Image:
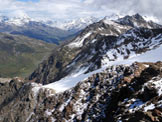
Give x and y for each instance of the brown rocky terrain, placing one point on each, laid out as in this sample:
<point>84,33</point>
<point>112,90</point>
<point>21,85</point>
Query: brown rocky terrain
<point>119,93</point>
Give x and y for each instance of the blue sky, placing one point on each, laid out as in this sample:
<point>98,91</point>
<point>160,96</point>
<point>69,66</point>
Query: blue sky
<point>28,0</point>
<point>69,9</point>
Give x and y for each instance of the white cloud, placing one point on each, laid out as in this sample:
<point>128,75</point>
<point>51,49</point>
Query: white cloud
<point>144,7</point>
<point>65,9</point>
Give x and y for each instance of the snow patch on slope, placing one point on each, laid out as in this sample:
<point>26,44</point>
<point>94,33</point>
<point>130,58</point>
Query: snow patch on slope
<point>149,56</point>
<point>149,107</point>
<point>70,81</point>
<point>151,18</point>
<point>127,50</point>
<point>157,84</point>
<point>79,41</point>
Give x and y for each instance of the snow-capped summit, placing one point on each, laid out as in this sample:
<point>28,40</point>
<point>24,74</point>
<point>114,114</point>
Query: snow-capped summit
<point>113,17</point>
<point>137,20</point>
<point>73,25</point>
<point>3,18</point>
<point>19,21</point>
<point>78,24</point>
<point>26,26</point>
<point>151,18</point>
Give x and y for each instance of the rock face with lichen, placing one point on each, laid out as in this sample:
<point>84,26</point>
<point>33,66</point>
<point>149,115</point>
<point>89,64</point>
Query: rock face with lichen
<point>126,93</point>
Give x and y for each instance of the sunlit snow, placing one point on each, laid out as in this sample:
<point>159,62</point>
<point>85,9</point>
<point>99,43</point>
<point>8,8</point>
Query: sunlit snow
<point>70,81</point>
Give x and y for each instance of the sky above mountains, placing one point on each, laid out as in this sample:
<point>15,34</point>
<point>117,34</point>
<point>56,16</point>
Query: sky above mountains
<point>69,9</point>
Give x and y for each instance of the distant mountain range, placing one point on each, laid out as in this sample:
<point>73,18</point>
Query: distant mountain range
<point>34,29</point>
<point>74,25</point>
<point>51,31</point>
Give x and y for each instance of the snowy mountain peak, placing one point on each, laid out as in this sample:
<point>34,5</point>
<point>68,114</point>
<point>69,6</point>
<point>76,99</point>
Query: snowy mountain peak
<point>151,18</point>
<point>138,16</point>
<point>113,17</point>
<point>3,18</point>
<point>137,21</point>
<point>85,19</point>
<point>19,20</point>
<point>75,24</point>
<point>109,27</point>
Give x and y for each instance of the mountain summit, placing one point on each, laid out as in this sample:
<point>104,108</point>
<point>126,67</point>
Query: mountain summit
<point>75,25</point>
<point>137,21</point>
<point>98,44</point>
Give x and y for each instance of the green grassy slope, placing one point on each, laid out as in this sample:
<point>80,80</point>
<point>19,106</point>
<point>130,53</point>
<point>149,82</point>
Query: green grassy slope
<point>20,55</point>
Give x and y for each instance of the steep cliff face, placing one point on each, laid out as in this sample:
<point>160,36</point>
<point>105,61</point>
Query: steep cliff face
<point>126,93</point>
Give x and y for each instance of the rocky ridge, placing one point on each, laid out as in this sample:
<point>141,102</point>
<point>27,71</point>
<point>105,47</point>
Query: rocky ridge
<point>97,45</point>
<point>117,93</point>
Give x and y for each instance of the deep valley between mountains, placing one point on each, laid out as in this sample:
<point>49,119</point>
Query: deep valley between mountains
<point>108,71</point>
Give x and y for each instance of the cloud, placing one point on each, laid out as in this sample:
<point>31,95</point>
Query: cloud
<point>144,7</point>
<point>67,9</point>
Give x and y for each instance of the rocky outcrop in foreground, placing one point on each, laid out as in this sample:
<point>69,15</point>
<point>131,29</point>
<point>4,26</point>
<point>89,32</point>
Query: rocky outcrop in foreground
<point>119,93</point>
